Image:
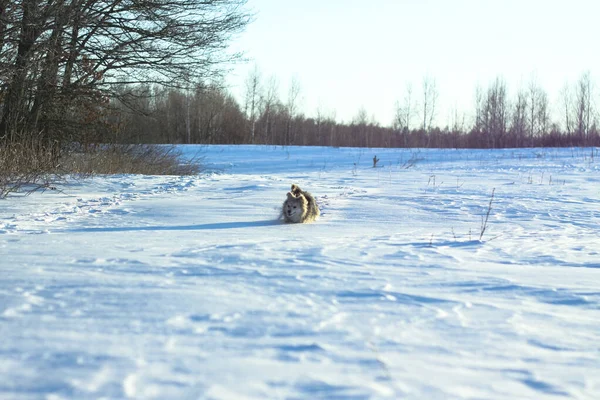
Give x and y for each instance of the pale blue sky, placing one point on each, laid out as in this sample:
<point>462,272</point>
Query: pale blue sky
<point>356,53</point>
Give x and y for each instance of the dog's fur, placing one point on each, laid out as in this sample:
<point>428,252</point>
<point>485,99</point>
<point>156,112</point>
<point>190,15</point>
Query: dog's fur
<point>299,206</point>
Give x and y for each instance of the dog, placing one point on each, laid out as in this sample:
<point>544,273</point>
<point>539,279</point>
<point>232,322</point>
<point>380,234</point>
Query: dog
<point>299,206</point>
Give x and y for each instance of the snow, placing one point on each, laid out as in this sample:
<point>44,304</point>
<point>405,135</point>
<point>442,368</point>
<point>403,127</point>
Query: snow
<point>190,288</point>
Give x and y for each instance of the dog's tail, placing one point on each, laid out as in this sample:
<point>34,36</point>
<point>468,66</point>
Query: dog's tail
<point>296,191</point>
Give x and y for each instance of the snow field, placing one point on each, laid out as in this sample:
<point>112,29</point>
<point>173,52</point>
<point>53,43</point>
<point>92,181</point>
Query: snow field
<point>189,287</point>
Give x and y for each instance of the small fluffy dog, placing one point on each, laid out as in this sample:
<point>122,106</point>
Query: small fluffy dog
<point>300,206</point>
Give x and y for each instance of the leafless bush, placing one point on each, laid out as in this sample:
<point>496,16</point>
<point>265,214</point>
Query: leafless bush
<point>414,158</point>
<point>28,167</point>
<point>487,216</point>
<point>130,159</point>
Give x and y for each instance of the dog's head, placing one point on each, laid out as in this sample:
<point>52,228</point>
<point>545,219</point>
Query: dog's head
<point>294,206</point>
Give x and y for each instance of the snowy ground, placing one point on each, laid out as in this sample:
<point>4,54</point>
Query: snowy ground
<point>189,287</point>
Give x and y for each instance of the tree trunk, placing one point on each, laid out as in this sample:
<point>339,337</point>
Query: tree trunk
<point>72,49</point>
<point>13,114</point>
<point>47,85</point>
<point>3,19</point>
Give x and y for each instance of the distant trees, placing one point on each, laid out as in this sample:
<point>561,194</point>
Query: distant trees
<point>518,126</point>
<point>492,112</point>
<point>292,110</point>
<point>270,106</point>
<point>537,110</point>
<point>149,71</point>
<point>214,116</point>
<point>430,97</point>
<point>207,114</point>
<point>584,111</point>
<point>404,113</point>
<point>567,109</point>
<point>252,100</point>
<point>526,121</point>
<point>579,113</point>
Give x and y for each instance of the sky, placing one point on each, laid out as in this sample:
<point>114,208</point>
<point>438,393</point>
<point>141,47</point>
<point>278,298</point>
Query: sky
<point>353,54</point>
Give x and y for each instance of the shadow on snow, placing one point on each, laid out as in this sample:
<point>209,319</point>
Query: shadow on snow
<point>198,227</point>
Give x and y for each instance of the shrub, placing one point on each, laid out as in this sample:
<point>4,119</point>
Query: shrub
<point>31,166</point>
<point>28,166</point>
<point>129,159</point>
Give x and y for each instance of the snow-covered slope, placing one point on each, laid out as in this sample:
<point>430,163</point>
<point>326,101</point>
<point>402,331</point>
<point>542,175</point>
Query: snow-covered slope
<point>190,288</point>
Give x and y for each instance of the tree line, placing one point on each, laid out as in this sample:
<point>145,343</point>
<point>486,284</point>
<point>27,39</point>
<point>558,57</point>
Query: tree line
<point>62,62</point>
<point>150,71</point>
<point>209,114</point>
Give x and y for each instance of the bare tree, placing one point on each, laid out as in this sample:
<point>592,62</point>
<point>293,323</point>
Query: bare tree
<point>519,118</point>
<point>252,99</point>
<point>430,96</point>
<point>361,117</point>
<point>496,110</point>
<point>479,109</point>
<point>492,112</point>
<point>66,57</point>
<point>268,103</point>
<point>405,111</point>
<point>319,122</point>
<point>584,107</point>
<point>403,114</point>
<point>4,17</point>
<point>292,108</point>
<point>33,21</point>
<point>537,109</point>
<point>457,120</point>
<point>567,109</point>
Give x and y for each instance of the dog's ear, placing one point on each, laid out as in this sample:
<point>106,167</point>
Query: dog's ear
<point>290,195</point>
